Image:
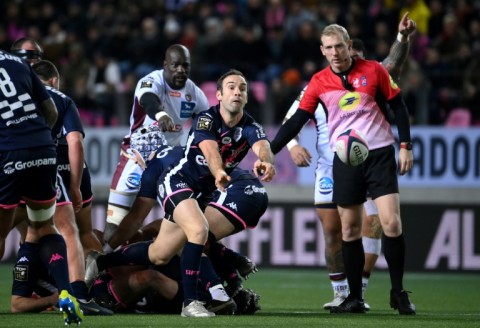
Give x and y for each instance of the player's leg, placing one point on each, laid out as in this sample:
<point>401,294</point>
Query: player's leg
<point>329,218</point>
<point>371,238</point>
<point>349,193</point>
<point>124,188</point>
<point>88,238</point>
<point>84,217</point>
<point>384,191</point>
<point>332,234</point>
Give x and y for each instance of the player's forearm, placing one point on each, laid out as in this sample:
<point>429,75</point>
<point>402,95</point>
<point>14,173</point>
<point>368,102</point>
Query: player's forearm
<point>396,58</point>
<point>20,304</point>
<point>151,103</point>
<point>289,130</point>
<point>210,151</point>
<point>264,153</point>
<point>76,159</point>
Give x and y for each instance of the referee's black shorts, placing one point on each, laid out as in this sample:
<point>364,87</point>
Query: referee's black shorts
<point>378,175</point>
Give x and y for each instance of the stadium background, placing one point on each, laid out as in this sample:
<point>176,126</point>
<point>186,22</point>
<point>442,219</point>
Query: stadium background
<point>103,47</point>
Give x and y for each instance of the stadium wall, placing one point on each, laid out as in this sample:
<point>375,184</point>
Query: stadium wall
<point>440,203</point>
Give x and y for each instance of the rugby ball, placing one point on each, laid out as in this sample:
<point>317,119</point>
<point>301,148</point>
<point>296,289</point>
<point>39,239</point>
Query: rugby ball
<point>351,147</point>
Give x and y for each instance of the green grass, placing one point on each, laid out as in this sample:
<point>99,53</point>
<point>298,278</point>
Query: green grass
<point>294,298</point>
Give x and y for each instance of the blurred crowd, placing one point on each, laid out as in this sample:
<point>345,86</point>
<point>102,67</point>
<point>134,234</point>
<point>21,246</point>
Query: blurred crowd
<point>102,48</point>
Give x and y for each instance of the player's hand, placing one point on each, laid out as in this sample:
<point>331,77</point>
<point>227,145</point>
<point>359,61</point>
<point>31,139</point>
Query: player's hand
<point>264,169</point>
<point>76,198</point>
<point>221,180</point>
<point>165,123</point>
<point>405,161</point>
<point>406,25</point>
<point>300,156</point>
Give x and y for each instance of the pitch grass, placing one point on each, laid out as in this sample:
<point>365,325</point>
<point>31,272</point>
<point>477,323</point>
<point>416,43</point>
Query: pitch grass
<point>294,298</point>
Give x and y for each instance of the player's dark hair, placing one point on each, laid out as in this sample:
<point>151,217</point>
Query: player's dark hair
<point>224,76</point>
<point>45,70</point>
<point>358,45</point>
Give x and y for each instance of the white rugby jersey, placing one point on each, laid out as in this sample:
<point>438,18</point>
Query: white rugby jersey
<point>325,153</point>
<point>181,105</point>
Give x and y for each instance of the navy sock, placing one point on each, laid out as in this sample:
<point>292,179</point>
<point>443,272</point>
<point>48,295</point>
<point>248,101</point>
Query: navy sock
<point>354,260</point>
<point>80,290</point>
<point>190,266</point>
<point>222,260</point>
<point>133,254</point>
<point>394,249</point>
<point>207,276</point>
<point>222,252</point>
<point>53,254</point>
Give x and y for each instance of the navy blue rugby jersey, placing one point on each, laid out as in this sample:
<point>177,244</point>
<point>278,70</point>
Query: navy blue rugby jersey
<point>164,157</point>
<point>22,124</point>
<point>233,144</point>
<point>68,117</point>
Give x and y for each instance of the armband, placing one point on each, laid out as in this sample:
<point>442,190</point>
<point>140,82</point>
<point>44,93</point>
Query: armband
<point>159,115</point>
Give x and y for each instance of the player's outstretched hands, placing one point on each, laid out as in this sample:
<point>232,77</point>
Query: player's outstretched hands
<point>406,25</point>
<point>264,169</point>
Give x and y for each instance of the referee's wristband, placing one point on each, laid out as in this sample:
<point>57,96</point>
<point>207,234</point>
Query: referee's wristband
<point>159,115</point>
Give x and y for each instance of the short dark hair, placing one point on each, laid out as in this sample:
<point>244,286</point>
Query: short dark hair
<point>224,76</point>
<point>358,45</point>
<point>45,70</point>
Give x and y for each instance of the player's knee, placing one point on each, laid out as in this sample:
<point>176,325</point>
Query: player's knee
<point>392,226</point>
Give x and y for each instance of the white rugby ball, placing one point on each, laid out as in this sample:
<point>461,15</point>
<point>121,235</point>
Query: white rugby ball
<point>352,147</point>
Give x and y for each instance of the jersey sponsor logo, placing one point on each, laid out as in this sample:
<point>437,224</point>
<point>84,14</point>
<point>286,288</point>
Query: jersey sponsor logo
<point>133,181</point>
<point>23,259</point>
<point>226,140</point>
<point>63,167</point>
<point>186,109</point>
<point>251,189</point>
<point>204,123</point>
<point>233,206</point>
<point>21,119</point>
<point>349,101</point>
<point>21,273</point>
<point>237,134</point>
<point>10,167</point>
<point>200,160</point>
<point>161,191</point>
<point>4,56</point>
<point>181,185</point>
<point>146,84</point>
<point>174,93</point>
<point>326,185</point>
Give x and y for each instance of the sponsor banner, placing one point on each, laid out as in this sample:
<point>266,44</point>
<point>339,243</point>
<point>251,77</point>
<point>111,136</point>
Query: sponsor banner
<point>438,238</point>
<point>444,157</point>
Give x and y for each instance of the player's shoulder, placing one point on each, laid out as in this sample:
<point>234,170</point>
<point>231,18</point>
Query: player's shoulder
<point>55,93</point>
<point>148,80</point>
